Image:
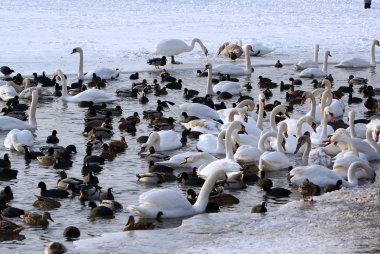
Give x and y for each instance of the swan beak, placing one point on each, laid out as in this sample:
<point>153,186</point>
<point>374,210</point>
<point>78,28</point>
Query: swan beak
<point>374,178</point>
<point>287,114</point>
<point>297,148</point>
<point>314,126</point>
<point>263,101</point>
<point>184,161</point>
<point>141,151</point>
<point>283,145</point>
<point>286,134</point>
<point>303,101</point>
<point>327,141</point>
<point>74,51</point>
<point>376,136</point>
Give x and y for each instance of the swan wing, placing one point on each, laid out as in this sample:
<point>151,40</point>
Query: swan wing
<point>354,62</point>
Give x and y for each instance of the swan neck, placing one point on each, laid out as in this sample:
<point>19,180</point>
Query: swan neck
<point>248,64</point>
<point>371,141</point>
<point>325,63</point>
<point>32,115</point>
<point>80,71</point>
<point>228,140</point>
<point>220,140</point>
<point>313,105</point>
<point>260,117</point>
<point>356,166</point>
<point>204,194</point>
<point>280,138</point>
<point>372,60</point>
<point>316,53</point>
<point>272,121</point>
<point>352,124</point>
<point>299,126</point>
<point>209,81</point>
<point>306,153</point>
<point>200,44</point>
<point>263,138</point>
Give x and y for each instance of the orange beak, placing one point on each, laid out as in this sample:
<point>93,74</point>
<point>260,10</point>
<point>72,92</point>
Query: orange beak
<point>263,101</point>
<point>303,101</point>
<point>332,117</point>
<point>287,114</point>
<point>376,136</point>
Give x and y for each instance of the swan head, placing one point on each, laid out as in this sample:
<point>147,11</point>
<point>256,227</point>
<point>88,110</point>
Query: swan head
<point>77,50</point>
<point>301,141</point>
<point>376,42</point>
<point>328,111</point>
<point>208,67</point>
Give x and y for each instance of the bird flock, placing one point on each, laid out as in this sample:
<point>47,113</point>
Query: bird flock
<point>236,146</point>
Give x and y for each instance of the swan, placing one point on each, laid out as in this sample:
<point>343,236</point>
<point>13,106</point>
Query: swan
<point>173,47</point>
<point>323,130</point>
<point>195,109</point>
<point>338,107</point>
<point>16,140</point>
<point>297,127</point>
<point>103,73</point>
<point>9,123</point>
<point>344,159</point>
<point>162,141</point>
<point>304,64</point>
<point>274,161</point>
<point>357,130</point>
<point>249,153</point>
<point>183,160</point>
<point>205,126</point>
<point>316,72</point>
<point>247,105</point>
<point>369,147</point>
<point>357,62</point>
<point>28,90</point>
<point>272,119</point>
<point>7,92</point>
<point>95,95</point>
<point>312,156</point>
<point>167,203</point>
<point>232,87</point>
<point>234,69</point>
<point>215,145</point>
<point>228,163</point>
<point>323,176</point>
<point>259,48</point>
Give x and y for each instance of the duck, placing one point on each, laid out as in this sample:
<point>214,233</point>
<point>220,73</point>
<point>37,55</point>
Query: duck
<point>173,204</point>
<point>108,195</point>
<point>370,103</point>
<point>278,64</point>
<point>89,192</point>
<point>7,173</point>
<point>304,64</point>
<point>316,72</point>
<point>71,232</point>
<point>159,168</point>
<point>55,248</point>
<point>64,182</point>
<point>52,139</point>
<point>191,179</point>
<point>47,203</point>
<point>52,193</point>
<point>173,47</point>
<point>6,194</point>
<point>260,208</point>
<point>9,123</point>
<point>307,189</point>
<point>155,156</point>
<point>9,211</point>
<point>118,145</point>
<point>157,62</point>
<point>47,160</point>
<point>9,228</point>
<point>90,179</point>
<point>5,162</point>
<point>357,80</point>
<point>103,73</point>
<point>127,92</point>
<point>95,95</point>
<point>353,100</point>
<point>333,187</point>
<point>357,62</point>
<point>233,69</point>
<point>6,71</point>
<point>176,85</point>
<point>36,219</point>
<point>100,211</point>
<point>132,225</point>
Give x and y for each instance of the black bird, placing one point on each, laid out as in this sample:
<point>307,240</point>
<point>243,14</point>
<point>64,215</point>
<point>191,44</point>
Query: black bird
<point>9,211</point>
<point>52,193</point>
<point>157,62</point>
<point>5,163</point>
<point>259,208</point>
<point>354,99</point>
<point>278,64</point>
<point>175,85</point>
<point>52,139</point>
<point>6,70</point>
<point>134,76</point>
<point>6,194</point>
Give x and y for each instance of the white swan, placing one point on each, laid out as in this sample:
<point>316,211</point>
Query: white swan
<point>304,64</point>
<point>184,160</point>
<point>233,88</point>
<point>104,73</point>
<point>323,130</point>
<point>344,159</point>
<point>211,144</point>
<point>357,62</point>
<point>205,126</point>
<point>16,138</point>
<point>310,156</point>
<point>173,47</point>
<point>228,163</point>
<point>249,153</point>
<point>95,95</point>
<point>369,147</point>
<point>338,107</point>
<point>162,141</point>
<point>7,92</point>
<point>234,69</point>
<point>195,109</point>
<point>167,203</point>
<point>43,92</point>
<point>9,123</point>
<point>274,161</point>
<point>259,49</point>
<point>356,130</point>
<point>247,105</point>
<point>272,118</point>
<point>316,72</point>
<point>322,176</point>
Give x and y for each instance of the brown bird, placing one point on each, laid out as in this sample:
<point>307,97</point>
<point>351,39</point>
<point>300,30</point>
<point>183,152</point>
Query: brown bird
<point>157,62</point>
<point>132,225</point>
<point>308,189</point>
<point>36,219</point>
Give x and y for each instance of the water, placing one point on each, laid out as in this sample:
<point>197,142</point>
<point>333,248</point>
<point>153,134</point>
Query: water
<point>120,173</point>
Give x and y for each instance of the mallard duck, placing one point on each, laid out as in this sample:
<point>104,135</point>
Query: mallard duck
<point>71,232</point>
<point>116,111</point>
<point>89,192</point>
<point>9,228</point>
<point>132,225</point>
<point>156,113</point>
<point>45,202</point>
<point>155,156</point>
<point>100,211</point>
<point>6,194</point>
<point>143,99</point>
<point>160,91</point>
<point>52,193</point>
<point>9,211</point>
<point>47,160</point>
<point>111,204</point>
<point>260,208</point>
<point>135,117</point>
<point>90,179</point>
<point>52,139</point>
<point>155,177</point>
<point>64,182</point>
<point>118,145</point>
<point>89,158</point>
<point>55,247</point>
<point>223,95</point>
<point>307,189</point>
<point>107,153</point>
<point>158,168</point>
<point>36,219</point>
<point>157,62</point>
<point>126,126</point>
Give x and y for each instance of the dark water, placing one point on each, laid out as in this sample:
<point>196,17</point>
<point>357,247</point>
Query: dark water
<point>67,119</point>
